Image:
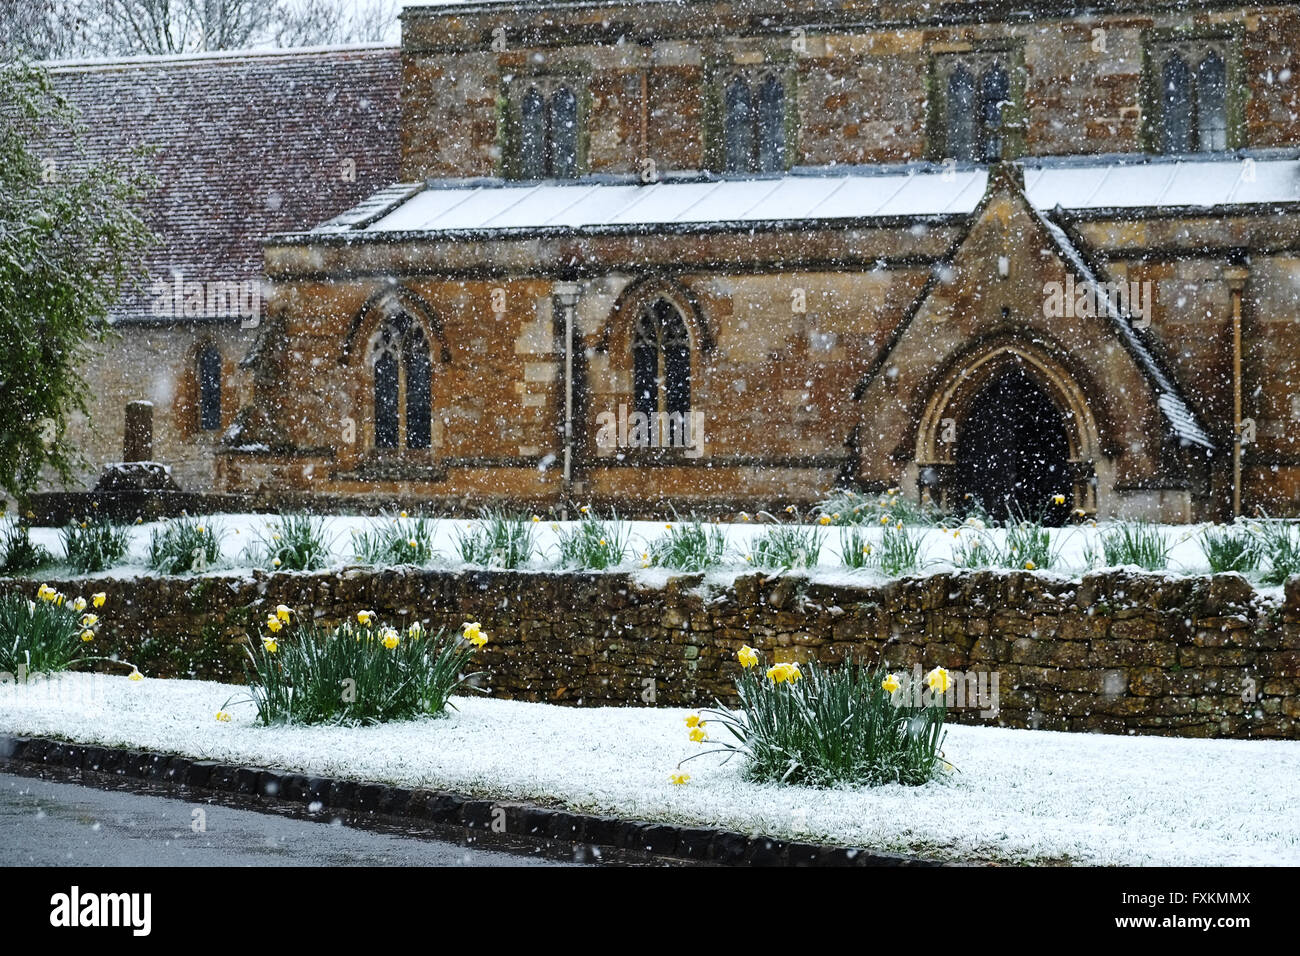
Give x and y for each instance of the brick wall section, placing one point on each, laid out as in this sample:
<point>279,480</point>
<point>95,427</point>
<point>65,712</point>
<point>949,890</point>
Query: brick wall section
<point>1114,652</point>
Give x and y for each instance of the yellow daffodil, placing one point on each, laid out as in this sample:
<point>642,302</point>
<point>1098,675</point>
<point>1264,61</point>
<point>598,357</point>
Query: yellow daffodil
<point>402,513</point>
<point>98,598</point>
<point>79,604</point>
<point>135,675</point>
<point>201,529</point>
<point>939,680</point>
<point>786,673</point>
<point>415,630</point>
<point>365,618</point>
<point>789,509</point>
<point>388,637</point>
<point>884,519</point>
<point>1030,566</point>
<point>679,778</point>
<point>89,620</point>
<point>698,735</point>
<point>747,656</point>
<point>743,516</point>
<point>412,543</point>
<point>223,717</point>
<point>668,527</point>
<point>273,624</point>
<point>890,684</point>
<point>270,645</point>
<point>46,593</point>
<point>1058,499</point>
<point>282,611</point>
<point>602,542</point>
<point>275,563</point>
<point>473,633</point>
<point>584,509</point>
<point>87,635</point>
<point>536,519</point>
<point>693,720</point>
<point>824,520</point>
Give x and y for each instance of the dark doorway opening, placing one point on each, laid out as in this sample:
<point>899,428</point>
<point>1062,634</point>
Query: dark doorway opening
<point>1013,456</point>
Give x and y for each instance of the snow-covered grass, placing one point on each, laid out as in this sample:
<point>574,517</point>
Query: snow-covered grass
<point>1019,795</point>
<point>1076,547</point>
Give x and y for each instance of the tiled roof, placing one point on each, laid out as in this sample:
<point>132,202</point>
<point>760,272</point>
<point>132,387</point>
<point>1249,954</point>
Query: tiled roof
<point>247,145</point>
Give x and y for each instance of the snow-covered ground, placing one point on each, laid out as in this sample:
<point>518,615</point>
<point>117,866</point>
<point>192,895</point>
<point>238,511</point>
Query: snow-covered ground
<point>1019,795</point>
<point>1072,544</point>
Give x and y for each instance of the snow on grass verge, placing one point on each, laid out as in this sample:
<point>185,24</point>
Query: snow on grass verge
<point>1020,796</point>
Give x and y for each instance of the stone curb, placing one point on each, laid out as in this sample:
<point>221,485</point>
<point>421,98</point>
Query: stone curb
<point>378,800</point>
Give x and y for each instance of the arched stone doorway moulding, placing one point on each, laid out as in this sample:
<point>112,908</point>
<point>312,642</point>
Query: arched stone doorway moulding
<point>950,402</point>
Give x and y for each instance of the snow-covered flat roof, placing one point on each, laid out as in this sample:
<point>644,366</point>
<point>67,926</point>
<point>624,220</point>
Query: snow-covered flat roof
<point>583,206</point>
<point>805,196</point>
<point>1190,183</point>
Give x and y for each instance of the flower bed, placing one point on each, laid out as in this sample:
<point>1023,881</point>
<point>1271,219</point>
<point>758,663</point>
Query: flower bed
<point>1018,796</point>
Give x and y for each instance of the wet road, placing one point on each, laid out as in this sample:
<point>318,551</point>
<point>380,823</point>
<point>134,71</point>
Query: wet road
<point>46,823</point>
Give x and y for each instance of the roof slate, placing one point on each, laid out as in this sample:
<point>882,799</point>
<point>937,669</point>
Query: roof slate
<point>246,146</point>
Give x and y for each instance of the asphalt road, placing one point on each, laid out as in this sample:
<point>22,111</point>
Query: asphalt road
<point>46,823</point>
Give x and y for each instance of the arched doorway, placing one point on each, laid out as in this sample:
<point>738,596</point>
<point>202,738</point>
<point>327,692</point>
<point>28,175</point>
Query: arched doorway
<point>1013,452</point>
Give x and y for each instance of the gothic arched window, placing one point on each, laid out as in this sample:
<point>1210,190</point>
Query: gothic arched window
<point>564,134</point>
<point>209,379</point>
<point>1211,104</point>
<point>661,368</point>
<point>1177,124</point>
<point>995,91</point>
<point>532,135</point>
<point>771,125</point>
<point>403,384</point>
<point>738,127</point>
<point>960,140</point>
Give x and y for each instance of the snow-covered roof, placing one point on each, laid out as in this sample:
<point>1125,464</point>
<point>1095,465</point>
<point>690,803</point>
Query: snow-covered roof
<point>610,205</point>
<point>803,196</point>
<point>1182,420</point>
<point>1180,183</point>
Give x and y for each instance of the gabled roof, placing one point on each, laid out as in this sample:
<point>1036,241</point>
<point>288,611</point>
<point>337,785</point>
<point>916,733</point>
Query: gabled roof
<point>805,197</point>
<point>247,144</point>
<point>1173,407</point>
<point>1182,420</point>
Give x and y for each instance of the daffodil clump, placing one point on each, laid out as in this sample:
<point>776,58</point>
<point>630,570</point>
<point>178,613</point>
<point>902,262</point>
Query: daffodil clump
<point>362,671</point>
<point>846,508</point>
<point>185,545</point>
<point>94,543</point>
<point>788,546</point>
<point>499,539</point>
<point>19,554</point>
<point>48,634</point>
<point>292,542</point>
<point>593,543</point>
<point>800,723</point>
<point>686,546</point>
<point>394,541</point>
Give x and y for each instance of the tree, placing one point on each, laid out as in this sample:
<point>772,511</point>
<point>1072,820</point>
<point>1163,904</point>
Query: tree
<point>71,242</point>
<point>45,29</point>
<point>41,29</point>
